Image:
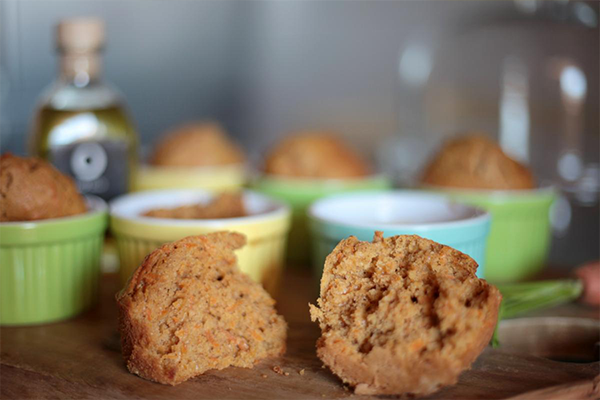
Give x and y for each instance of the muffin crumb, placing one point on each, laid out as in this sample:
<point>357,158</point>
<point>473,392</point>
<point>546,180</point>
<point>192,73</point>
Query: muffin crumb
<point>277,369</point>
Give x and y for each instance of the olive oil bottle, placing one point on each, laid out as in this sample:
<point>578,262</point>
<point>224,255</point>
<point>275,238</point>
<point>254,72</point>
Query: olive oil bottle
<point>81,124</point>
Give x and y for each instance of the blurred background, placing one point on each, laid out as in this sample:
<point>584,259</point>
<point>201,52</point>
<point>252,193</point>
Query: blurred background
<point>394,78</point>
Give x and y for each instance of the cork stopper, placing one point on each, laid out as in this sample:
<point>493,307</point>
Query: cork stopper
<point>80,35</point>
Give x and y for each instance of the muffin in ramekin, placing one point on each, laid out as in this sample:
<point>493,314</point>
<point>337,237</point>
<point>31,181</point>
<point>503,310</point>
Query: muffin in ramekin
<point>197,155</point>
<point>51,242</point>
<point>474,169</point>
<point>50,269</point>
<point>265,225</point>
<point>307,166</point>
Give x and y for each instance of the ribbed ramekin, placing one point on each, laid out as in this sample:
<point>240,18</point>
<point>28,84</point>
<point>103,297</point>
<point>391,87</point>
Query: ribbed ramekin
<point>401,212</point>
<point>299,193</point>
<point>265,227</point>
<point>217,178</point>
<point>520,232</point>
<point>50,269</point>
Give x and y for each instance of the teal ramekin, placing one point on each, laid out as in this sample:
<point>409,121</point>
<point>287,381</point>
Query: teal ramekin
<point>50,269</point>
<point>300,193</point>
<point>401,212</point>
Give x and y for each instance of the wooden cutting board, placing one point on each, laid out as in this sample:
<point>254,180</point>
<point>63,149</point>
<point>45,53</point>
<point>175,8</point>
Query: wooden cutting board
<point>80,358</point>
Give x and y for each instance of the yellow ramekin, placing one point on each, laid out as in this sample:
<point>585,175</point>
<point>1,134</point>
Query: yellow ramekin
<point>265,227</point>
<point>214,178</point>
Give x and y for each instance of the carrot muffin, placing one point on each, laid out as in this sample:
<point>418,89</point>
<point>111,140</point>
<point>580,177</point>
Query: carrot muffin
<point>188,309</point>
<point>402,314</point>
<point>315,155</point>
<point>225,205</point>
<point>197,144</point>
<point>476,162</point>
<point>32,189</point>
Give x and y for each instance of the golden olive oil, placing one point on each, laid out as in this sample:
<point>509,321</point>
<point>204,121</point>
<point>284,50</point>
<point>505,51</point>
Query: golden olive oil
<point>81,124</point>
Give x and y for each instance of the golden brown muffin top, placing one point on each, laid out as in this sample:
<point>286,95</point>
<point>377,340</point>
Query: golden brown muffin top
<point>225,205</point>
<point>32,189</point>
<point>402,314</point>
<point>476,162</point>
<point>188,309</point>
<point>315,155</point>
<point>197,144</point>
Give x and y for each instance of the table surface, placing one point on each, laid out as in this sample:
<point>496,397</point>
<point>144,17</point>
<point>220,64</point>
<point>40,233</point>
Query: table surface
<point>80,358</point>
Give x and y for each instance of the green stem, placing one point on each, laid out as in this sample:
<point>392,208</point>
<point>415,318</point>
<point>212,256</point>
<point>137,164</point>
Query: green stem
<point>521,298</point>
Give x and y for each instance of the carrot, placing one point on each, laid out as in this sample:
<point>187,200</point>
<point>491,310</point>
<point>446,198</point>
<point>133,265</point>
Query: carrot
<point>417,344</point>
<point>234,306</point>
<point>211,339</point>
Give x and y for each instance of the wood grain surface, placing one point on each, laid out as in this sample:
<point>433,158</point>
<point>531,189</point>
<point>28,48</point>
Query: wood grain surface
<point>80,358</point>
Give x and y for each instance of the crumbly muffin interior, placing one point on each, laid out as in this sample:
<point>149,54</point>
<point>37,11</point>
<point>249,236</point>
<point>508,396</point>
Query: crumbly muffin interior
<point>190,310</point>
<point>414,298</point>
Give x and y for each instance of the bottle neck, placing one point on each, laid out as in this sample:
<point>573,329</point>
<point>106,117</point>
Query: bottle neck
<point>80,69</point>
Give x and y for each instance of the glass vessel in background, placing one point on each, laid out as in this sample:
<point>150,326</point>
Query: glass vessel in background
<point>81,124</point>
<point>529,79</point>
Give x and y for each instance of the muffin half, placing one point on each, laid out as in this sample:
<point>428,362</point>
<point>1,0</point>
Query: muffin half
<point>188,309</point>
<point>402,314</point>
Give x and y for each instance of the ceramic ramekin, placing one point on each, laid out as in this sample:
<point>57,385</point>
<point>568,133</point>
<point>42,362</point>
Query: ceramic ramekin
<point>520,232</point>
<point>50,269</point>
<point>214,178</point>
<point>265,227</point>
<point>401,212</point>
<point>300,193</point>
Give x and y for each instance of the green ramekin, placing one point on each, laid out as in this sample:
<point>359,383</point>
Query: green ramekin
<point>50,269</point>
<point>399,212</point>
<point>299,193</point>
<point>520,232</point>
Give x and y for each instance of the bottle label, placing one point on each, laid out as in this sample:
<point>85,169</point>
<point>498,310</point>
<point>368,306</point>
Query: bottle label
<point>100,168</point>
